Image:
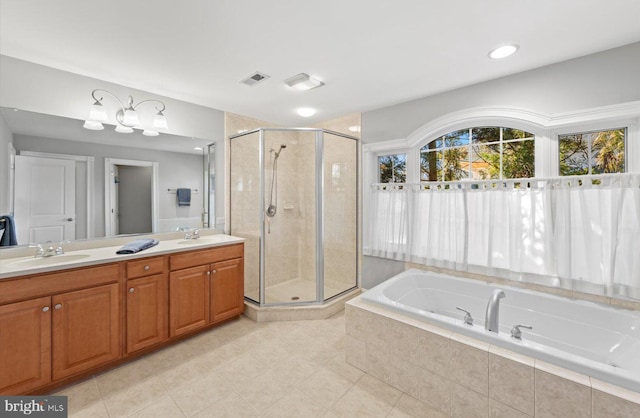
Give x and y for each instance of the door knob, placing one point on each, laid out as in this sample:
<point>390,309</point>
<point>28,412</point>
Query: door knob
<point>58,306</point>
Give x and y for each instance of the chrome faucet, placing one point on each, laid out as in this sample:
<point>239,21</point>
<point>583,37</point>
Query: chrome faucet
<point>468,319</point>
<point>48,250</point>
<point>491,319</point>
<point>517,333</point>
<point>190,233</point>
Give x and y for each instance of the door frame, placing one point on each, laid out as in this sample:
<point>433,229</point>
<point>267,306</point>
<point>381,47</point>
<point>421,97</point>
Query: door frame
<point>89,178</point>
<point>109,191</point>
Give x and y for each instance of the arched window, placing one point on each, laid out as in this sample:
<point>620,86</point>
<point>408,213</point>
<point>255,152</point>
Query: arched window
<point>479,153</point>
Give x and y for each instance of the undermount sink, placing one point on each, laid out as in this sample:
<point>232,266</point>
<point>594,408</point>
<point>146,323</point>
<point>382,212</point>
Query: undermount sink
<point>202,240</point>
<point>47,261</point>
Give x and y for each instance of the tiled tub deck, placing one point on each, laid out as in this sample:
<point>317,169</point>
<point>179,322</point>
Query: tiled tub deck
<point>464,377</point>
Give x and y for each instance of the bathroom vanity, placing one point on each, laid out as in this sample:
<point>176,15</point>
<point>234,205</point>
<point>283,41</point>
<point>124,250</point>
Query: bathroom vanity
<point>64,320</point>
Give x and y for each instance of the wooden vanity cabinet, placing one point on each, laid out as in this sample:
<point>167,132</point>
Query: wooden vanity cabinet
<point>205,287</point>
<point>86,329</point>
<point>147,299</point>
<point>56,325</point>
<point>189,300</point>
<point>25,345</point>
<point>226,289</point>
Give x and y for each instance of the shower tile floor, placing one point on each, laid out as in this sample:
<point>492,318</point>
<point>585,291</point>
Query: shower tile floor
<point>285,292</point>
<point>245,369</point>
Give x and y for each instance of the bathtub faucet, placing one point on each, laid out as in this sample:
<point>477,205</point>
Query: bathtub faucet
<point>491,321</point>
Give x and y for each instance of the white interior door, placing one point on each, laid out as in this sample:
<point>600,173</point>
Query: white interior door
<point>45,199</point>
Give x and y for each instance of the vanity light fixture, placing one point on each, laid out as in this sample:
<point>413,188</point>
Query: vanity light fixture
<point>127,117</point>
<point>303,81</point>
<point>503,51</point>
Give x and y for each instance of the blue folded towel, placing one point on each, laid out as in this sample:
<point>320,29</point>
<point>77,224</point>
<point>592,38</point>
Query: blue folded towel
<point>137,246</point>
<point>184,197</point>
<point>9,234</point>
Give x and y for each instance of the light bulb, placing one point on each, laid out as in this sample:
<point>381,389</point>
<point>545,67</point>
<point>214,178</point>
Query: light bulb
<point>503,51</point>
<point>160,121</point>
<point>130,117</point>
<point>97,112</point>
<point>306,112</point>
<point>148,132</point>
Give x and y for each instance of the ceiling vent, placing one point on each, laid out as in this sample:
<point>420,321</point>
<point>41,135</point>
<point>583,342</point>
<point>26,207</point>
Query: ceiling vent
<point>254,78</point>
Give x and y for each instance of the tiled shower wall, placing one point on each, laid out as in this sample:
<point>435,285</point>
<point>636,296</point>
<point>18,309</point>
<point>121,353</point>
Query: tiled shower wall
<point>291,244</point>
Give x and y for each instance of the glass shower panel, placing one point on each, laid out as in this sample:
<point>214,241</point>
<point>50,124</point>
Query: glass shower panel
<point>289,216</point>
<point>340,214</point>
<point>245,208</point>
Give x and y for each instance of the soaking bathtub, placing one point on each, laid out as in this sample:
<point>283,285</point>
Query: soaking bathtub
<point>586,337</point>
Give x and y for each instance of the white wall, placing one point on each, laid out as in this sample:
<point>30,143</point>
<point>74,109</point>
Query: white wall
<point>603,79</point>
<point>175,170</point>
<point>41,89</point>
<point>606,78</point>
<point>6,137</point>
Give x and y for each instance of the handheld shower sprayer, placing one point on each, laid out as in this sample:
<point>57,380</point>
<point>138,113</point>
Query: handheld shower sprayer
<point>273,195</point>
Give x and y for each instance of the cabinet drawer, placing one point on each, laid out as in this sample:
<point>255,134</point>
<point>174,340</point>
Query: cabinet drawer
<point>52,283</point>
<point>145,267</point>
<point>208,256</point>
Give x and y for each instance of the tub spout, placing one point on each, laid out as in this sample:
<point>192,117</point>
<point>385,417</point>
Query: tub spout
<point>491,319</point>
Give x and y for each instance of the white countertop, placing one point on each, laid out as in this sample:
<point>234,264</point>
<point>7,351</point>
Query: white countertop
<point>20,266</point>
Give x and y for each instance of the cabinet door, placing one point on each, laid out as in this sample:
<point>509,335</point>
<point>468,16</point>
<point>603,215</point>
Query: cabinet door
<point>188,300</point>
<point>86,329</point>
<point>147,311</point>
<point>25,346</point>
<point>227,289</point>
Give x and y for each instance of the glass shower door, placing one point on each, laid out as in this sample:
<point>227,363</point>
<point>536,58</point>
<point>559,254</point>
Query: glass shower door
<point>289,216</point>
<point>245,207</point>
<point>340,217</point>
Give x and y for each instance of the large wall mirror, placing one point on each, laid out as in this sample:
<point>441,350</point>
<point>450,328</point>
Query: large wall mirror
<point>103,183</point>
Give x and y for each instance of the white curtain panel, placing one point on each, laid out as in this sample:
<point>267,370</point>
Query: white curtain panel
<point>580,232</point>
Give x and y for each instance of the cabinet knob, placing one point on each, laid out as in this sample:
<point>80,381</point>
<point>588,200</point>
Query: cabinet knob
<point>208,273</point>
<point>45,309</point>
<point>58,306</point>
<point>213,271</point>
<point>146,268</point>
<point>131,290</point>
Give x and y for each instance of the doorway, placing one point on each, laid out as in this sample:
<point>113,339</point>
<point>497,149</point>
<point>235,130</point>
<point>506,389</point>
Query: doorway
<point>130,196</point>
<point>45,199</point>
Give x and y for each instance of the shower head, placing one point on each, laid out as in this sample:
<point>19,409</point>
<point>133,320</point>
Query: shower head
<point>282,146</point>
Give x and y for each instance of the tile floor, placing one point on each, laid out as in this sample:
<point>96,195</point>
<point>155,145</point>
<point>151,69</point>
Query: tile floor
<point>245,369</point>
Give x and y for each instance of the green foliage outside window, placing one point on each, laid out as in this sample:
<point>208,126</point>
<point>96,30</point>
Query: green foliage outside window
<point>479,153</point>
<point>393,168</point>
<point>592,152</point>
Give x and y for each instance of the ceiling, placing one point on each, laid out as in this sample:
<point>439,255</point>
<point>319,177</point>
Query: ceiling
<point>370,53</point>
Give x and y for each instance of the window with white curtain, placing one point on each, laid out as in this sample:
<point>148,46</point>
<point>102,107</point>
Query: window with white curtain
<point>477,206</point>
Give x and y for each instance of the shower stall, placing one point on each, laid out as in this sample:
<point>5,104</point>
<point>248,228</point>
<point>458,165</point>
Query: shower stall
<point>293,197</point>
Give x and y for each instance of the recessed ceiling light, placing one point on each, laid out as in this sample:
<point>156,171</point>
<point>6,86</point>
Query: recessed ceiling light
<point>354,128</point>
<point>197,148</point>
<point>303,81</point>
<point>306,112</point>
<point>503,51</point>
